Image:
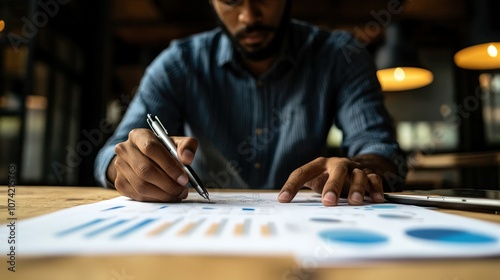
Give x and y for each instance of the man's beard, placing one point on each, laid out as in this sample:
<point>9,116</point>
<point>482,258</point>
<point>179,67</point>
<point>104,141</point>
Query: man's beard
<point>274,45</point>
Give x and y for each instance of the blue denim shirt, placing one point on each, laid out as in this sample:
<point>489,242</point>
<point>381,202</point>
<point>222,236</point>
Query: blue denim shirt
<point>254,131</point>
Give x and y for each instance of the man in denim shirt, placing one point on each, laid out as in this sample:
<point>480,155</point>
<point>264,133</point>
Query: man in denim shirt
<point>255,99</point>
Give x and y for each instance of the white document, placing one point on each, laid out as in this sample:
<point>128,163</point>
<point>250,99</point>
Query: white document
<point>256,224</point>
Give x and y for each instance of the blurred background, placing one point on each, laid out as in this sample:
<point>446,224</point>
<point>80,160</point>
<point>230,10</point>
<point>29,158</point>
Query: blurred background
<point>69,68</point>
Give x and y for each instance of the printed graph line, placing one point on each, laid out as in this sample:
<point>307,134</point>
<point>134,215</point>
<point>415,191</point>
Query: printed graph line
<point>78,228</point>
<point>105,228</point>
<point>113,208</point>
<point>134,228</point>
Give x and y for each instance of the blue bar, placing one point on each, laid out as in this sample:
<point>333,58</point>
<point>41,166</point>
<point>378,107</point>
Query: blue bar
<point>133,228</point>
<point>80,227</point>
<point>248,209</point>
<point>105,228</point>
<point>113,208</point>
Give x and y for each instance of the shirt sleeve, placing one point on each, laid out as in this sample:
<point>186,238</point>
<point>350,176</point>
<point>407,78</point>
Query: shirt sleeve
<point>361,113</point>
<point>160,93</point>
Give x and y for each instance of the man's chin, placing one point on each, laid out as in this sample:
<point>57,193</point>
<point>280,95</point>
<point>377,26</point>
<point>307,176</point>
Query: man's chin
<point>256,52</point>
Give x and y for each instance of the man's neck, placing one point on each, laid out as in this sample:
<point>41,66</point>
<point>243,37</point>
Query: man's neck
<point>258,68</point>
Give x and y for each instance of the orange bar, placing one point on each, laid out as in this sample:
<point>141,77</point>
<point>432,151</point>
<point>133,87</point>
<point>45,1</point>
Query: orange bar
<point>160,229</point>
<point>187,229</point>
<point>266,231</point>
<point>239,229</point>
<point>212,230</point>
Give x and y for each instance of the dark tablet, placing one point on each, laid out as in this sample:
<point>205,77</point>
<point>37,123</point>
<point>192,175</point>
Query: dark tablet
<point>461,199</point>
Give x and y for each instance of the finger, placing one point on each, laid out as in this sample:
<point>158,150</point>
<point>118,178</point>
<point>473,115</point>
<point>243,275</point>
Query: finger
<point>124,187</point>
<point>152,148</point>
<point>299,177</point>
<point>376,187</point>
<point>186,148</point>
<point>146,170</point>
<point>318,182</point>
<point>333,187</point>
<point>129,184</point>
<point>359,183</point>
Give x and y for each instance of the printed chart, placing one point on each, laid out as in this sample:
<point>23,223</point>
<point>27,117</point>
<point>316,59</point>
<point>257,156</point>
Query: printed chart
<point>255,223</point>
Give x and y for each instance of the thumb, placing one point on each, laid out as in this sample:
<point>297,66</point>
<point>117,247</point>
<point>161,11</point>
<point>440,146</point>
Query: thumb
<point>186,148</point>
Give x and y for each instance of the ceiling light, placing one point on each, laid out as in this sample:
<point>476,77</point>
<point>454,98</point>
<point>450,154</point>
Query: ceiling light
<point>483,41</point>
<point>398,63</point>
<point>404,78</point>
<point>479,57</point>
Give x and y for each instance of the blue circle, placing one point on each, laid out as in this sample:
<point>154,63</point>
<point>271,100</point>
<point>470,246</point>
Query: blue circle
<point>451,236</point>
<point>352,236</point>
<point>325,220</point>
<point>395,216</point>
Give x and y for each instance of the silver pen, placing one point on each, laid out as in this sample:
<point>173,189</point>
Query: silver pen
<point>160,132</point>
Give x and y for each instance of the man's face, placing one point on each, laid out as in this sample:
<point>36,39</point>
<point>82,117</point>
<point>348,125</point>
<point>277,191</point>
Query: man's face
<point>252,24</point>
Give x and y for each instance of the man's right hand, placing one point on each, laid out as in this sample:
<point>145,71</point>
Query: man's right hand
<point>144,170</point>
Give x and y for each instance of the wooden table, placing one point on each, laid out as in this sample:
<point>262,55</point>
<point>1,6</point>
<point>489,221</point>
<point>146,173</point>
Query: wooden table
<point>33,201</point>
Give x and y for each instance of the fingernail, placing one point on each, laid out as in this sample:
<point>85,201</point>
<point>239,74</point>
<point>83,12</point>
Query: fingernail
<point>284,196</point>
<point>331,198</point>
<point>357,197</point>
<point>182,180</point>
<point>378,197</point>
<point>184,193</point>
<point>187,155</point>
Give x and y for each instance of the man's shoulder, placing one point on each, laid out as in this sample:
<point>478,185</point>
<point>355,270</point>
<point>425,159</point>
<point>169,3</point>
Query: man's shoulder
<point>199,41</point>
<point>191,49</point>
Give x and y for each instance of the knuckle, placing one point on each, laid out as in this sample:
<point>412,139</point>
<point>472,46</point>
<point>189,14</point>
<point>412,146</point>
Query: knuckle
<point>149,146</point>
<point>359,173</point>
<point>132,134</point>
<point>119,184</point>
<point>141,188</point>
<point>321,160</point>
<point>340,168</point>
<point>120,148</point>
<point>375,178</point>
<point>345,162</point>
<point>144,171</point>
<point>299,171</point>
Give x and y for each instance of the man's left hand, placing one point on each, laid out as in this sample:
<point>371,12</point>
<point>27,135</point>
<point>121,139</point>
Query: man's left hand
<point>329,176</point>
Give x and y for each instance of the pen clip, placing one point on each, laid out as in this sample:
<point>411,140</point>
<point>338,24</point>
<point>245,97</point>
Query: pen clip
<point>150,122</point>
<point>158,120</point>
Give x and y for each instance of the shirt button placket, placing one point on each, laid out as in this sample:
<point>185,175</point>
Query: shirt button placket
<point>257,165</point>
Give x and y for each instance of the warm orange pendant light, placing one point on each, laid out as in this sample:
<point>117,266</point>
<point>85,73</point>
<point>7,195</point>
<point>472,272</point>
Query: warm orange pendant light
<point>397,61</point>
<point>483,46</point>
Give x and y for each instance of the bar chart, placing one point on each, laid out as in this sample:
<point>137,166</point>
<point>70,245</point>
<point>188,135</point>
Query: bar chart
<point>258,224</point>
